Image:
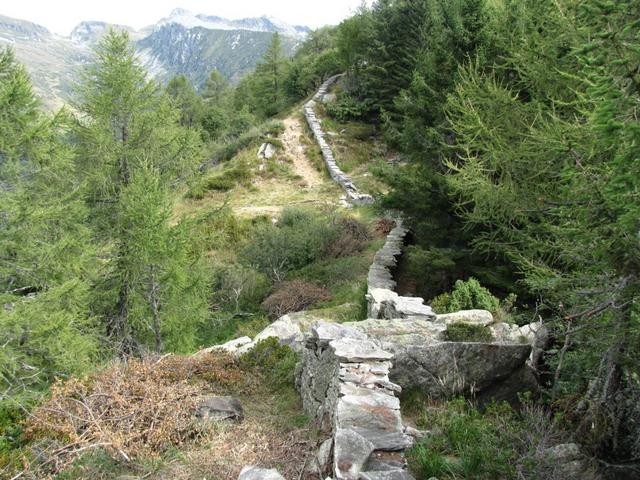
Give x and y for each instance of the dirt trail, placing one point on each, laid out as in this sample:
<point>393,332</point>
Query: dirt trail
<point>292,147</point>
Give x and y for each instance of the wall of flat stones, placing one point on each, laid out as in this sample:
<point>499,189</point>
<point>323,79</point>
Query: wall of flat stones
<point>382,300</point>
<point>353,195</point>
<point>343,380</point>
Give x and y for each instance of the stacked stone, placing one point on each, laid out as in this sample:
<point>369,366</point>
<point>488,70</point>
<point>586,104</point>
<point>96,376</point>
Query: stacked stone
<point>353,195</point>
<point>382,301</point>
<point>344,383</point>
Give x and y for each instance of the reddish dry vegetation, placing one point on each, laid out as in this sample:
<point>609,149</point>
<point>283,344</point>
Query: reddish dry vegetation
<point>139,409</point>
<point>384,226</point>
<point>293,296</point>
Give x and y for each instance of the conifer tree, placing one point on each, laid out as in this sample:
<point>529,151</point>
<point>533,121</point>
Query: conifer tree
<point>47,260</point>
<point>132,150</point>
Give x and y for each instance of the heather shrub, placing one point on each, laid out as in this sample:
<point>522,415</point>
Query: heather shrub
<point>464,332</point>
<point>352,237</point>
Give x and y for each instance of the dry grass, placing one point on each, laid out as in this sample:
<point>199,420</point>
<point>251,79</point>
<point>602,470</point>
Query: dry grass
<point>141,413</point>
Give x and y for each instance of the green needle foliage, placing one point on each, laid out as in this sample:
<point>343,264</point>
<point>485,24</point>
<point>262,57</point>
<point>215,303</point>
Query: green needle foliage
<point>134,143</point>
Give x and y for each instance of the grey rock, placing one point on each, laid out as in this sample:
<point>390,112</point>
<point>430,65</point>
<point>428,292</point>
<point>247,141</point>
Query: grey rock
<point>266,151</point>
<point>254,473</point>
<point>453,368</point>
<point>230,347</point>
<point>351,452</point>
<point>509,389</point>
<point>220,408</point>
<point>356,350</point>
<point>475,317</point>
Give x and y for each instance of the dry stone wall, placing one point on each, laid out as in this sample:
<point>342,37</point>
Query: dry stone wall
<point>382,300</point>
<point>353,195</point>
<point>343,379</point>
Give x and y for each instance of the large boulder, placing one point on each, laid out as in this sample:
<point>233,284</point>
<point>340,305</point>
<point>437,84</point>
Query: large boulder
<point>453,368</point>
<point>422,359</point>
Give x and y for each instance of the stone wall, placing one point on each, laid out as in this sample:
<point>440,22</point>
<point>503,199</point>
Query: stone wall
<point>353,195</point>
<point>343,380</point>
<point>382,300</point>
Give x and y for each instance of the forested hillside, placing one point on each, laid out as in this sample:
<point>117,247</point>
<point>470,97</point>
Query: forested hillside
<point>139,225</point>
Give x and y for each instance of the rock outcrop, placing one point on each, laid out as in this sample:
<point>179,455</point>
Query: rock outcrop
<point>343,379</point>
<point>423,359</point>
<point>353,195</point>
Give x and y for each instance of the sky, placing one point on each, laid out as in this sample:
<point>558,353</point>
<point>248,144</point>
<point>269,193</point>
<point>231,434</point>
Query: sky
<point>60,16</point>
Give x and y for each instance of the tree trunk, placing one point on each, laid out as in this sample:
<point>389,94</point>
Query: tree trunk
<point>154,302</point>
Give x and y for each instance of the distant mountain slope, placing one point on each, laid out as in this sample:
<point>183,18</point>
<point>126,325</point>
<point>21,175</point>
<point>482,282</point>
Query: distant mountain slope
<point>182,43</point>
<point>52,60</point>
<point>175,49</point>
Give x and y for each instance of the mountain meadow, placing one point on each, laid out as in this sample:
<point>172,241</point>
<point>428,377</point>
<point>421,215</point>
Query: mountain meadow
<point>403,247</point>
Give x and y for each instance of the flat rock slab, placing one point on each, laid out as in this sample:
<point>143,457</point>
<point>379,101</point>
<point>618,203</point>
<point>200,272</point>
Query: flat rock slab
<point>356,350</point>
<point>483,318</point>
<point>453,368</point>
<point>220,408</point>
<point>254,473</point>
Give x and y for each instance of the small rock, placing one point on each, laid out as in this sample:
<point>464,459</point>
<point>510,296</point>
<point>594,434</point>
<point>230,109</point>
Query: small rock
<point>351,451</point>
<point>220,408</point>
<point>266,151</point>
<point>254,473</point>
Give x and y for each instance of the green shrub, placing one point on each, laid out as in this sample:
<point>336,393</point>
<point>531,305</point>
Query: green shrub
<point>497,443</point>
<point>345,108</point>
<point>275,362</point>
<point>221,181</point>
<point>239,289</point>
<point>464,332</point>
<point>300,238</point>
<point>466,296</point>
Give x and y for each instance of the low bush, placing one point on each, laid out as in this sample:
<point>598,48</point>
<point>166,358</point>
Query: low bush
<point>276,363</point>
<point>135,409</point>
<point>497,443</point>
<point>239,289</point>
<point>345,108</point>
<point>464,332</point>
<point>293,296</point>
<point>466,296</point>
<point>352,237</point>
<point>300,238</point>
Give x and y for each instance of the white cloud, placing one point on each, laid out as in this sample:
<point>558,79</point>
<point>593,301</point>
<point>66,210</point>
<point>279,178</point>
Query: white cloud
<point>60,16</point>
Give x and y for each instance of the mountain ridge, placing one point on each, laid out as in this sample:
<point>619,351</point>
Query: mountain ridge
<point>182,43</point>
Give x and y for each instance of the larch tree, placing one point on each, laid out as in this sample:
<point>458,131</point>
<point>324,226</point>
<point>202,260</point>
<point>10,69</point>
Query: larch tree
<point>47,259</point>
<point>132,150</point>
